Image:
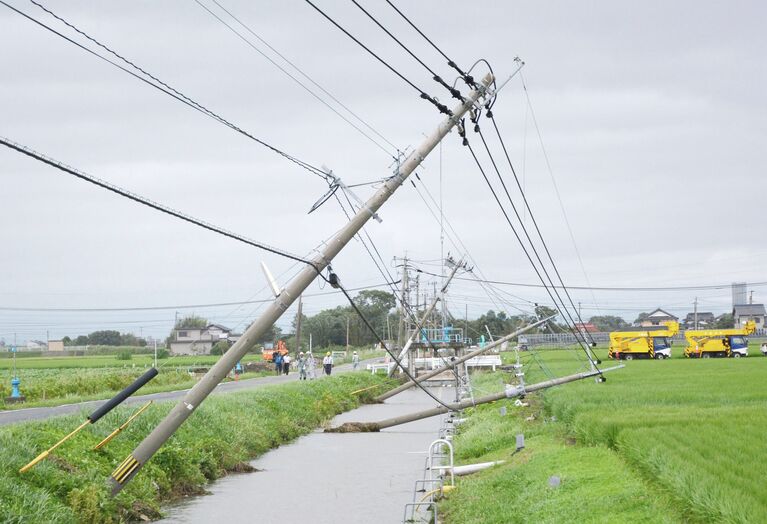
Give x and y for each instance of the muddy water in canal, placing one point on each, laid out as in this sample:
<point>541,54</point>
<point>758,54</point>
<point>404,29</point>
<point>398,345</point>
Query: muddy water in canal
<point>328,477</point>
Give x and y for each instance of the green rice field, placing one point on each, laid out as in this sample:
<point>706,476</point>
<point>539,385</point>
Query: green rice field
<point>677,440</point>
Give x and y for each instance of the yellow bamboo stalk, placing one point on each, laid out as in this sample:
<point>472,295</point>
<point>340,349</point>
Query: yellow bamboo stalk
<point>47,452</point>
<point>122,427</point>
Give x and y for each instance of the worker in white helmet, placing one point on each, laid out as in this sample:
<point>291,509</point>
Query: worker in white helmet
<point>355,361</point>
<point>301,365</point>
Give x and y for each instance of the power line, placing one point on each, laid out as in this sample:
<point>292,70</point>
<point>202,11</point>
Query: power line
<point>162,87</point>
<point>386,348</point>
<point>527,234</point>
<point>176,306</point>
<point>292,77</point>
<point>453,91</point>
<point>553,180</point>
<point>442,107</point>
<point>519,239</point>
<point>146,202</point>
<point>604,288</point>
<point>388,277</point>
<point>465,76</point>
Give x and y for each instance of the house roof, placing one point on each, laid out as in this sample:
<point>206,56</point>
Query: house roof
<point>219,326</point>
<point>659,313</point>
<point>748,309</point>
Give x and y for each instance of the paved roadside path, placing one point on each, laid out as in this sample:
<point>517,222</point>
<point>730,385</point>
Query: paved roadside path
<point>22,415</point>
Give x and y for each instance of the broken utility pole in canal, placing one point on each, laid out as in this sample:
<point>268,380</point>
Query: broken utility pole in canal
<point>509,392</point>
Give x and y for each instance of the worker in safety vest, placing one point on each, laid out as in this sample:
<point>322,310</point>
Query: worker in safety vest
<point>327,363</point>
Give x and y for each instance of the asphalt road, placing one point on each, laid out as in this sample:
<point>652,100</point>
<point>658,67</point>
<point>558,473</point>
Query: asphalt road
<point>27,414</point>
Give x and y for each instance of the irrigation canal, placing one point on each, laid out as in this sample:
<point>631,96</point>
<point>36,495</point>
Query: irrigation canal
<point>328,477</point>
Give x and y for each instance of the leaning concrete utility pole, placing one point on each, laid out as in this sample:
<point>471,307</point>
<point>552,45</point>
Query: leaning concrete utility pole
<point>419,324</point>
<point>509,392</point>
<point>453,363</point>
<point>178,415</point>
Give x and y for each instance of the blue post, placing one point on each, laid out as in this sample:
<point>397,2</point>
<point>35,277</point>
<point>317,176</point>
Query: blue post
<point>482,341</point>
<point>15,393</point>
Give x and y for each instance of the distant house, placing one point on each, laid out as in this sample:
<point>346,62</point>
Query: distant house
<point>36,345</point>
<point>586,327</point>
<point>199,341</point>
<point>657,317</point>
<point>744,312</point>
<point>55,345</point>
<point>706,320</point>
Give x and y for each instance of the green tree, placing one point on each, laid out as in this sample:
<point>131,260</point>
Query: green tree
<point>67,340</point>
<point>608,322</point>
<point>107,337</point>
<point>220,347</point>
<point>192,321</point>
<point>81,340</point>
<point>725,321</point>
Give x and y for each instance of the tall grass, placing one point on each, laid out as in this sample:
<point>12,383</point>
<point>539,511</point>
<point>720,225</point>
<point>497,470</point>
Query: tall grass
<point>225,431</point>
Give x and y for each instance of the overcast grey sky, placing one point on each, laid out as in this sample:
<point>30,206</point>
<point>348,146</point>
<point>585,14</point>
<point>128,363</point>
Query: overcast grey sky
<point>652,115</point>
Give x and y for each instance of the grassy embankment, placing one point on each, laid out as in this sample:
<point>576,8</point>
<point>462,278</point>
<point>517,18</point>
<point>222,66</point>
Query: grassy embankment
<point>671,441</point>
<point>224,433</point>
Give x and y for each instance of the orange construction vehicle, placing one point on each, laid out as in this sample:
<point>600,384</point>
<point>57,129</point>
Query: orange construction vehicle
<point>268,354</point>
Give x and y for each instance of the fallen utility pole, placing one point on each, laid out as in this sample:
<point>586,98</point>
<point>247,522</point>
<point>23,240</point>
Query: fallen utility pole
<point>509,392</point>
<point>178,415</point>
<point>419,324</point>
<point>453,363</point>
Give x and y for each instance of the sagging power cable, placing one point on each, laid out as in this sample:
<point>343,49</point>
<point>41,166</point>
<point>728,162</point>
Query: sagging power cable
<point>159,85</point>
<point>441,107</point>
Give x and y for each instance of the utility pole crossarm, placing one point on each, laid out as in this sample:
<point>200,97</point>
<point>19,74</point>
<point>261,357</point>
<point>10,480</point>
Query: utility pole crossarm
<point>191,401</point>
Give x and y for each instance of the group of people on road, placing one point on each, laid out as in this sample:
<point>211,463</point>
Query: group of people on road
<point>306,364</point>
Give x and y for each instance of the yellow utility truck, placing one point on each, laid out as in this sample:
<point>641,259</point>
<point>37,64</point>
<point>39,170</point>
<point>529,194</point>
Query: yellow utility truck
<point>648,342</point>
<point>712,343</point>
